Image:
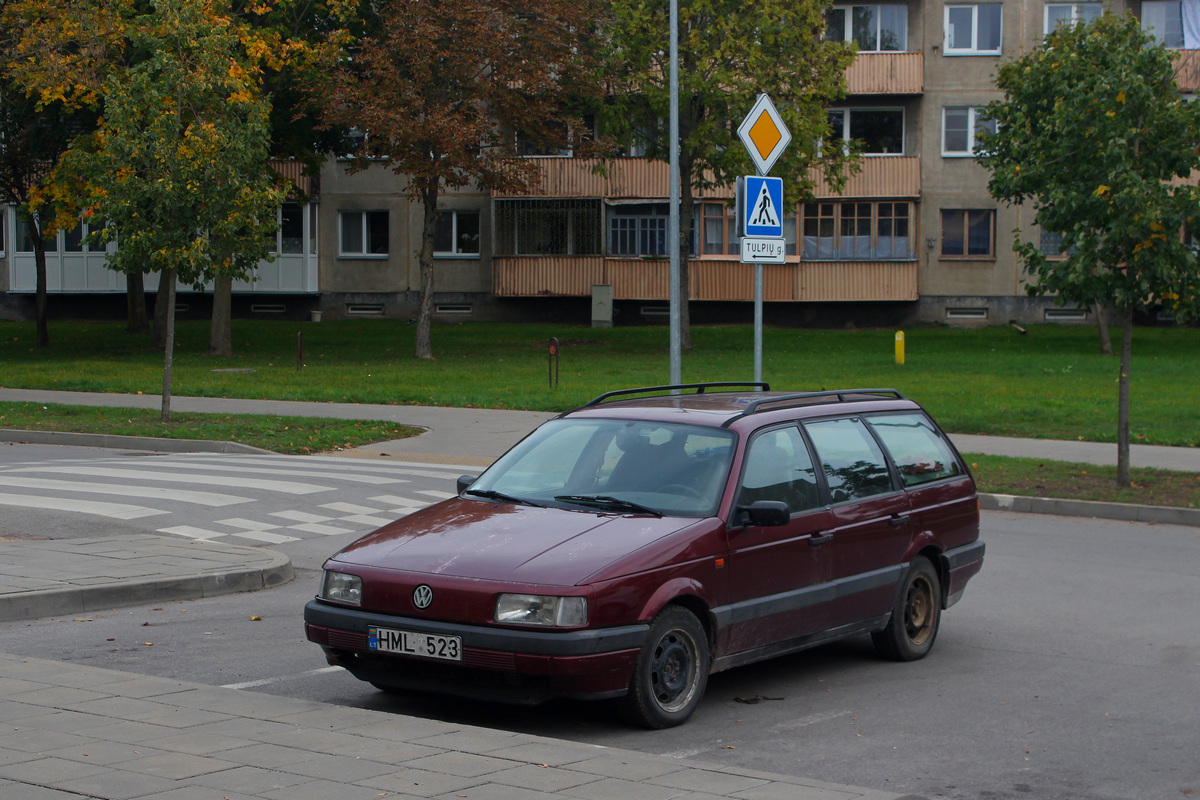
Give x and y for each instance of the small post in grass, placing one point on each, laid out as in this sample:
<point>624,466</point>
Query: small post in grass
<point>900,347</point>
<point>299,350</point>
<point>552,361</point>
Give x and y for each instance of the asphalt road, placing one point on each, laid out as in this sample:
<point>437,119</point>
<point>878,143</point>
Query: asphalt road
<point>1070,669</point>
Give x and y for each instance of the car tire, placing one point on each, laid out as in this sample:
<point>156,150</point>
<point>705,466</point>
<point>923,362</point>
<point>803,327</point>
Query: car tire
<point>917,614</point>
<point>672,671</point>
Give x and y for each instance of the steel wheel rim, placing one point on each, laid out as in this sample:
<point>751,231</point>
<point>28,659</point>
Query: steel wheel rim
<point>919,610</point>
<point>673,668</point>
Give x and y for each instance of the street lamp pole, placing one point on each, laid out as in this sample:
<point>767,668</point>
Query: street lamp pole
<point>673,223</point>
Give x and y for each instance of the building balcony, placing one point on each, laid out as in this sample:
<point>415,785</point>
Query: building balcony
<point>709,279</point>
<point>1187,70</point>
<point>886,73</point>
<point>880,176</point>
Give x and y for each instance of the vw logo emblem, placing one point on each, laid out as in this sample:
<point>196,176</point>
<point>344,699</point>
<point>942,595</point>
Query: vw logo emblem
<point>422,596</point>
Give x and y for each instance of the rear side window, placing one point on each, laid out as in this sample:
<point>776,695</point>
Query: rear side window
<point>854,465</point>
<point>920,452</point>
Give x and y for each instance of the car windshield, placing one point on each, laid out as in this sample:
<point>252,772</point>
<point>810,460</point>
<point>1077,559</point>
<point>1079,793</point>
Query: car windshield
<point>615,466</point>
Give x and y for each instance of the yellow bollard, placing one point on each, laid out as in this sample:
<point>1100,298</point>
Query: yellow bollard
<point>900,347</point>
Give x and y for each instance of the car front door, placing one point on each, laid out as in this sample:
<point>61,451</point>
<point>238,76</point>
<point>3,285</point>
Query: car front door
<point>776,574</point>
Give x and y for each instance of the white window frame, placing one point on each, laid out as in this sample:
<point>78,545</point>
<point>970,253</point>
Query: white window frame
<point>1161,36</point>
<point>366,229</point>
<point>848,24</point>
<point>1075,13</point>
<point>454,251</point>
<point>974,49</point>
<point>974,123</point>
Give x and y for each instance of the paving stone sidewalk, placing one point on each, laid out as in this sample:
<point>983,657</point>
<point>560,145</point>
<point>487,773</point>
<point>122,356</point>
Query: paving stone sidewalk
<point>72,732</point>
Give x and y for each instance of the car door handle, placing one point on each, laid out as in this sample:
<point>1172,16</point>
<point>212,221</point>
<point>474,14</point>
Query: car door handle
<point>820,539</point>
<point>899,521</point>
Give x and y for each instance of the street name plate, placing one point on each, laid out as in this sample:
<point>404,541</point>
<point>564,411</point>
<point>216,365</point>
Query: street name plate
<point>761,250</point>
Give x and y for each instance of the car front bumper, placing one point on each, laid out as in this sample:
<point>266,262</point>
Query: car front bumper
<point>500,663</point>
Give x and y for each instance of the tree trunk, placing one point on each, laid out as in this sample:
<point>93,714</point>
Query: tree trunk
<point>429,194</point>
<point>39,266</point>
<point>220,337</point>
<point>1102,323</point>
<point>135,303</point>
<point>1123,398</point>
<point>167,297</point>
<point>159,335</point>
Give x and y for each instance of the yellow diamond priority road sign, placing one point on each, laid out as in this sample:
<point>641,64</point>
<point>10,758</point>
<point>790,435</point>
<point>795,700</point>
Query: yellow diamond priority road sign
<point>764,134</point>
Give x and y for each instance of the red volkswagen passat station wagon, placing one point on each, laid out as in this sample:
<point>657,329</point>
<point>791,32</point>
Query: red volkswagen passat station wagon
<point>631,547</point>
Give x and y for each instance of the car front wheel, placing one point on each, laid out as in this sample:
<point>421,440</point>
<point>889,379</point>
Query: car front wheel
<point>671,672</point>
<point>915,619</point>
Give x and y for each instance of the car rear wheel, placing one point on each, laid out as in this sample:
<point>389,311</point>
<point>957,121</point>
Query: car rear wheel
<point>915,619</point>
<point>671,672</point>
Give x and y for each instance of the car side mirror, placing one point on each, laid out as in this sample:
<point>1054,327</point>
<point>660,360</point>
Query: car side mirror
<point>766,513</point>
<point>464,481</point>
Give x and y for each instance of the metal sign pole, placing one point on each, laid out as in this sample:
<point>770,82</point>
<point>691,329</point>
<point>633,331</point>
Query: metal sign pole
<point>673,221</point>
<point>758,321</point>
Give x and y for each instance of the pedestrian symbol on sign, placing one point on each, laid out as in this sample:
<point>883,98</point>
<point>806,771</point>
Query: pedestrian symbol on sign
<point>764,210</point>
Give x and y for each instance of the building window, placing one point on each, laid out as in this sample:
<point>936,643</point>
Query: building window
<point>638,230</point>
<point>718,229</point>
<point>973,30</point>
<point>968,233</point>
<point>875,29</point>
<point>879,131</point>
<point>364,233</point>
<point>25,237</point>
<point>457,234</point>
<point>1068,13</point>
<point>1163,19</point>
<point>1050,244</point>
<point>288,238</point>
<point>857,231</point>
<point>960,130</point>
<point>2,229</point>
<point>549,228</point>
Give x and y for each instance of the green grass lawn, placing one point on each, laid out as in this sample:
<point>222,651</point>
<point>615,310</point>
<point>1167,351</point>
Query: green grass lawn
<point>291,435</point>
<point>1050,383</point>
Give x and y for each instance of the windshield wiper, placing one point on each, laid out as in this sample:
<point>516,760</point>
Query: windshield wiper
<point>502,497</point>
<point>610,503</point>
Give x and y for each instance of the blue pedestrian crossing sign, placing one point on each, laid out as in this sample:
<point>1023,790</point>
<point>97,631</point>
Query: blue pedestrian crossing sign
<point>762,206</point>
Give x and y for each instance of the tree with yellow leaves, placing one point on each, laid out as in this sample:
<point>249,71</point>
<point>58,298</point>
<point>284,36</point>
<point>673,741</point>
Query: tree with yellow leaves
<point>178,169</point>
<point>1094,132</point>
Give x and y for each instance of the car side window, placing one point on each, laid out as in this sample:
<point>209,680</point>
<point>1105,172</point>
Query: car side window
<point>917,447</point>
<point>778,467</point>
<point>853,463</point>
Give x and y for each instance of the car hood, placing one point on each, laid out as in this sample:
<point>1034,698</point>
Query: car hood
<point>501,541</point>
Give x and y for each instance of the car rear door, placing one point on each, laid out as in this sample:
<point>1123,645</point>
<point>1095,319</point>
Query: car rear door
<point>870,523</point>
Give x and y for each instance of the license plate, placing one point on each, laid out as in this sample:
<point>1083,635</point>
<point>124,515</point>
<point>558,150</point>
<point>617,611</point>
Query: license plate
<point>411,643</point>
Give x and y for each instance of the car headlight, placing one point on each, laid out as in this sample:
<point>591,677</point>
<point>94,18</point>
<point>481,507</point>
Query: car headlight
<point>536,609</point>
<point>342,588</point>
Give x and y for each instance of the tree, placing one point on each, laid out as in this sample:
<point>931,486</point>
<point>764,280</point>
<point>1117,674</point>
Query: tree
<point>1093,131</point>
<point>439,87</point>
<point>178,168</point>
<point>729,52</point>
<point>68,48</point>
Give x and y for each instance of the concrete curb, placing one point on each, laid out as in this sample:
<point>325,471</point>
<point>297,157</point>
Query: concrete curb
<point>1165,515</point>
<point>39,579</point>
<point>146,443</point>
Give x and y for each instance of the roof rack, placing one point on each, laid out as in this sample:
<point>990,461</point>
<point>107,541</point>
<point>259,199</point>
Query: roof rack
<point>699,387</point>
<point>802,398</point>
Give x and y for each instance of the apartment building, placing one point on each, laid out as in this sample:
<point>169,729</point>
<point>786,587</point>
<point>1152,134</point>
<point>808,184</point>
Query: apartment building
<point>914,236</point>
